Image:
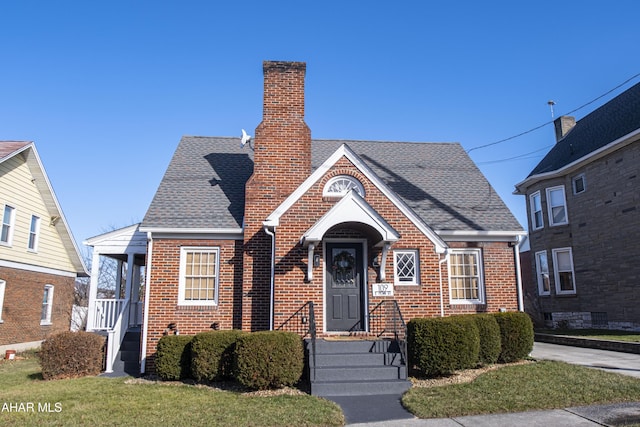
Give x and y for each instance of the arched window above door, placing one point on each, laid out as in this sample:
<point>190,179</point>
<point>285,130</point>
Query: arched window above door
<point>340,185</point>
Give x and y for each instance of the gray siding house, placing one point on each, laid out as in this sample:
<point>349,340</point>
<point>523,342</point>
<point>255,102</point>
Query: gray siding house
<point>583,205</point>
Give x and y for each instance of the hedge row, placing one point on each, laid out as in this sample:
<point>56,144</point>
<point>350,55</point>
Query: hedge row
<point>442,345</point>
<point>258,360</point>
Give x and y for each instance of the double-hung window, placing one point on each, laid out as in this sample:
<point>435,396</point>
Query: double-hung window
<point>535,206</point>
<point>34,231</point>
<point>406,267</point>
<point>47,305</point>
<point>465,276</point>
<point>563,271</point>
<point>542,273</point>
<point>557,206</point>
<point>8,220</point>
<point>199,270</point>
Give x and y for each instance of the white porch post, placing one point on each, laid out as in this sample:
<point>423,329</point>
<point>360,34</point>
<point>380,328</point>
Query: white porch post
<point>130,269</point>
<point>118,279</point>
<point>93,289</point>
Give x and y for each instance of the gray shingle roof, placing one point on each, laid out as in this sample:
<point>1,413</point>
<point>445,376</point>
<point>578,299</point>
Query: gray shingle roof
<point>611,121</point>
<point>204,184</point>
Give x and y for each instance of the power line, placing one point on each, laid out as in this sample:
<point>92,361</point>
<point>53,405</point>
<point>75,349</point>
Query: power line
<point>519,157</point>
<point>550,122</point>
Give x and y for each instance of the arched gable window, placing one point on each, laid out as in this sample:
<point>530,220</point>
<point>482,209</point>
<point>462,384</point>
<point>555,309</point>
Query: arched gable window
<point>340,185</point>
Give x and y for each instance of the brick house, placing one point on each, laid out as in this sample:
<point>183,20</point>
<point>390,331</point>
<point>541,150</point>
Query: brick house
<point>256,234</point>
<point>39,259</point>
<point>583,202</point>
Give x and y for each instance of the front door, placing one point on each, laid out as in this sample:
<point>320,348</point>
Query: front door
<point>344,286</point>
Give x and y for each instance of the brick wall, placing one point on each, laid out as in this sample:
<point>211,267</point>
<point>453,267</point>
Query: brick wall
<point>22,308</point>
<point>602,232</point>
<point>163,292</point>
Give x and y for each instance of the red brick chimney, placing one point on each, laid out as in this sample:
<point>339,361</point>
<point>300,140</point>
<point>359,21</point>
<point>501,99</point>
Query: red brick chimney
<point>281,162</point>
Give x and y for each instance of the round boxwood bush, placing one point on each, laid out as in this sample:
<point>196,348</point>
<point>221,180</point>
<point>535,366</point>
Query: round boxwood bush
<point>516,331</point>
<point>212,355</point>
<point>173,357</point>
<point>269,359</point>
<point>442,345</point>
<point>71,354</point>
<point>490,340</point>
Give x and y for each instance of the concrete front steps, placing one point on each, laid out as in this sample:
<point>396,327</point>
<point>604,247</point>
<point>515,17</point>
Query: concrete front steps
<point>356,368</point>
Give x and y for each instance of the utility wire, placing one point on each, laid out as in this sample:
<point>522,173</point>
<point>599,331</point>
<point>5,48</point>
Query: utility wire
<point>519,157</point>
<point>550,122</point>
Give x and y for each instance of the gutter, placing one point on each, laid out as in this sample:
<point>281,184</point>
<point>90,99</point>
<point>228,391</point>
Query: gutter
<point>147,295</point>
<point>272,275</point>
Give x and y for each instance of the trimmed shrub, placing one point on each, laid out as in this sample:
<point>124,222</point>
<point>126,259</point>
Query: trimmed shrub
<point>490,340</point>
<point>442,345</point>
<point>173,357</point>
<point>516,331</point>
<point>71,354</point>
<point>212,355</point>
<point>269,359</point>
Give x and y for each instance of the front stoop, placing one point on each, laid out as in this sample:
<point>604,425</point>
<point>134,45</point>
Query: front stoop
<point>356,368</point>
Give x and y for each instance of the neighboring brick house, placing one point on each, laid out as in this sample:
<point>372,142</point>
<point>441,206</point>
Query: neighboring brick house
<point>583,204</point>
<point>39,260</point>
<point>244,236</point>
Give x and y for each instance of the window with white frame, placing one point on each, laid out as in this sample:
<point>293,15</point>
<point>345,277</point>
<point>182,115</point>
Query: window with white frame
<point>579,184</point>
<point>8,220</point>
<point>535,206</point>
<point>34,232</point>
<point>340,185</point>
<point>557,206</point>
<point>465,276</point>
<point>563,271</point>
<point>47,305</point>
<point>406,267</point>
<point>542,273</point>
<point>3,284</point>
<point>199,269</point>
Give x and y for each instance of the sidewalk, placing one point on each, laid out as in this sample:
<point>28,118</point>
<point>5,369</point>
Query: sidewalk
<point>372,410</point>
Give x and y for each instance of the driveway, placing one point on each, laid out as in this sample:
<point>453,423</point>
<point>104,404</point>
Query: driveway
<point>612,361</point>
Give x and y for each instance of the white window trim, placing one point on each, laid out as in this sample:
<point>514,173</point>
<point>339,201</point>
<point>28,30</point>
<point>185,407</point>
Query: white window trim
<point>47,319</point>
<point>354,184</point>
<point>539,273</point>
<point>584,184</point>
<point>182,281</point>
<point>12,223</point>
<point>550,207</point>
<point>3,286</point>
<point>416,267</point>
<point>481,287</point>
<point>36,233</point>
<point>533,211</point>
<point>556,273</point>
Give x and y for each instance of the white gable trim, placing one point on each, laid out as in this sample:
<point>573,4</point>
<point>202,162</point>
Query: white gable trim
<point>344,151</point>
<point>351,208</point>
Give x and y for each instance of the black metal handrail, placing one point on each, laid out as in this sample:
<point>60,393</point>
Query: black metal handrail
<point>385,321</point>
<point>303,323</point>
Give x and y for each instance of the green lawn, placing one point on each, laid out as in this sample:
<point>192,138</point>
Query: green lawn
<point>597,334</point>
<point>518,388</point>
<point>120,401</point>
<point>100,401</point>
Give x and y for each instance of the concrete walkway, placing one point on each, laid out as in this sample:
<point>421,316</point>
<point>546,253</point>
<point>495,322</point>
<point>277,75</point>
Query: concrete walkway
<point>386,411</point>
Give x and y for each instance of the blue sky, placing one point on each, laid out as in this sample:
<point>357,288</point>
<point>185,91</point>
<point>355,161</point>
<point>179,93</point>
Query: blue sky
<point>106,89</point>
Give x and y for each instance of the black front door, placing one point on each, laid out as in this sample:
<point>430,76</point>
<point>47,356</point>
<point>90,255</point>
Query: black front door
<point>344,286</point>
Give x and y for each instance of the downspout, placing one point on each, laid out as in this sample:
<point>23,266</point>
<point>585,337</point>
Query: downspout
<point>272,277</point>
<point>516,251</point>
<point>440,262</point>
<point>147,292</point>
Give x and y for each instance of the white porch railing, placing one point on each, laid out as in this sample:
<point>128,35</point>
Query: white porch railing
<point>116,335</point>
<point>106,314</point>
